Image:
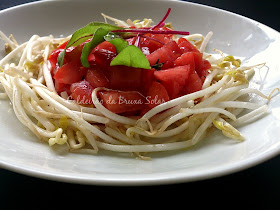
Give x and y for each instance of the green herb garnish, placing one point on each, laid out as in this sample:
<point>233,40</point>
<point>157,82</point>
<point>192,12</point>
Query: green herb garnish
<point>119,44</point>
<point>84,34</point>
<point>97,38</point>
<point>131,56</point>
<point>128,55</point>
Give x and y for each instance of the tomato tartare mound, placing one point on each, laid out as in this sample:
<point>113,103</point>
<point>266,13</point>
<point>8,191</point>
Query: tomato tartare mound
<point>177,69</point>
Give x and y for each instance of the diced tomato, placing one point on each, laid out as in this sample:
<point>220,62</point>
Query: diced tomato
<point>156,95</point>
<point>53,56</point>
<point>61,87</point>
<point>131,113</point>
<point>162,55</point>
<point>193,84</point>
<point>131,41</point>
<point>192,58</point>
<point>166,55</point>
<point>197,59</point>
<point>173,79</point>
<point>147,78</point>
<point>122,101</point>
<point>202,71</point>
<point>53,70</point>
<point>96,77</point>
<point>102,55</point>
<point>183,72</point>
<point>106,46</point>
<point>124,78</point>
<point>180,40</point>
<point>73,54</point>
<point>186,59</point>
<point>172,45</point>
<point>186,46</point>
<point>151,42</point>
<point>69,73</point>
<point>144,110</point>
<point>81,92</point>
<point>165,38</point>
<point>147,44</point>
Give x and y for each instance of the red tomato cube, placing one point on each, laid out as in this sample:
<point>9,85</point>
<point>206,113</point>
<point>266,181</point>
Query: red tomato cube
<point>173,79</point>
<point>186,59</point>
<point>157,94</point>
<point>166,55</point>
<point>69,73</point>
<point>81,92</point>
<point>96,77</point>
<point>202,71</point>
<point>102,55</point>
<point>162,55</point>
<point>61,87</point>
<point>122,101</point>
<point>173,46</point>
<point>186,46</point>
<point>53,56</point>
<point>147,78</point>
<point>193,84</point>
<point>124,78</point>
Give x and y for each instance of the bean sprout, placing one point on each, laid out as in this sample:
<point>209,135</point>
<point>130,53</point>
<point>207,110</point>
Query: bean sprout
<point>173,125</point>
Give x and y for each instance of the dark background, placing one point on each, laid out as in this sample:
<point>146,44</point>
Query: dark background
<point>255,188</point>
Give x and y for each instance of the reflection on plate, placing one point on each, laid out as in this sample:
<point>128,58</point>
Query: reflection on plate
<point>215,156</point>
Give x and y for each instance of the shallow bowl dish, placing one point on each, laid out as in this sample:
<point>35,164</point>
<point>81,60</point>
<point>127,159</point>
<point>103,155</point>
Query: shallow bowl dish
<point>215,156</point>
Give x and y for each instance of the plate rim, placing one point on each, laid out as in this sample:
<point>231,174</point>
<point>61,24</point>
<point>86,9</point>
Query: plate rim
<point>148,179</point>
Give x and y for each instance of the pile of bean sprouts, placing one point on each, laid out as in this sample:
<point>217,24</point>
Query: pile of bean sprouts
<point>179,123</point>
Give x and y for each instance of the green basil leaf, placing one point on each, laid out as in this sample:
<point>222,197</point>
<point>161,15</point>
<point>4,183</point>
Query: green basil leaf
<point>119,44</point>
<point>131,56</point>
<point>84,34</point>
<point>97,38</point>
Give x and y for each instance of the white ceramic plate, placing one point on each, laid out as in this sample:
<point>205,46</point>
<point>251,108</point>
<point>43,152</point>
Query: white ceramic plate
<point>20,151</point>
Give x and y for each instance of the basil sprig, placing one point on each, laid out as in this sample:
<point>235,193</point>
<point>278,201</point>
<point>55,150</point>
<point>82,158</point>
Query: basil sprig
<point>97,38</point>
<point>128,55</point>
<point>84,34</point>
<point>131,56</point>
